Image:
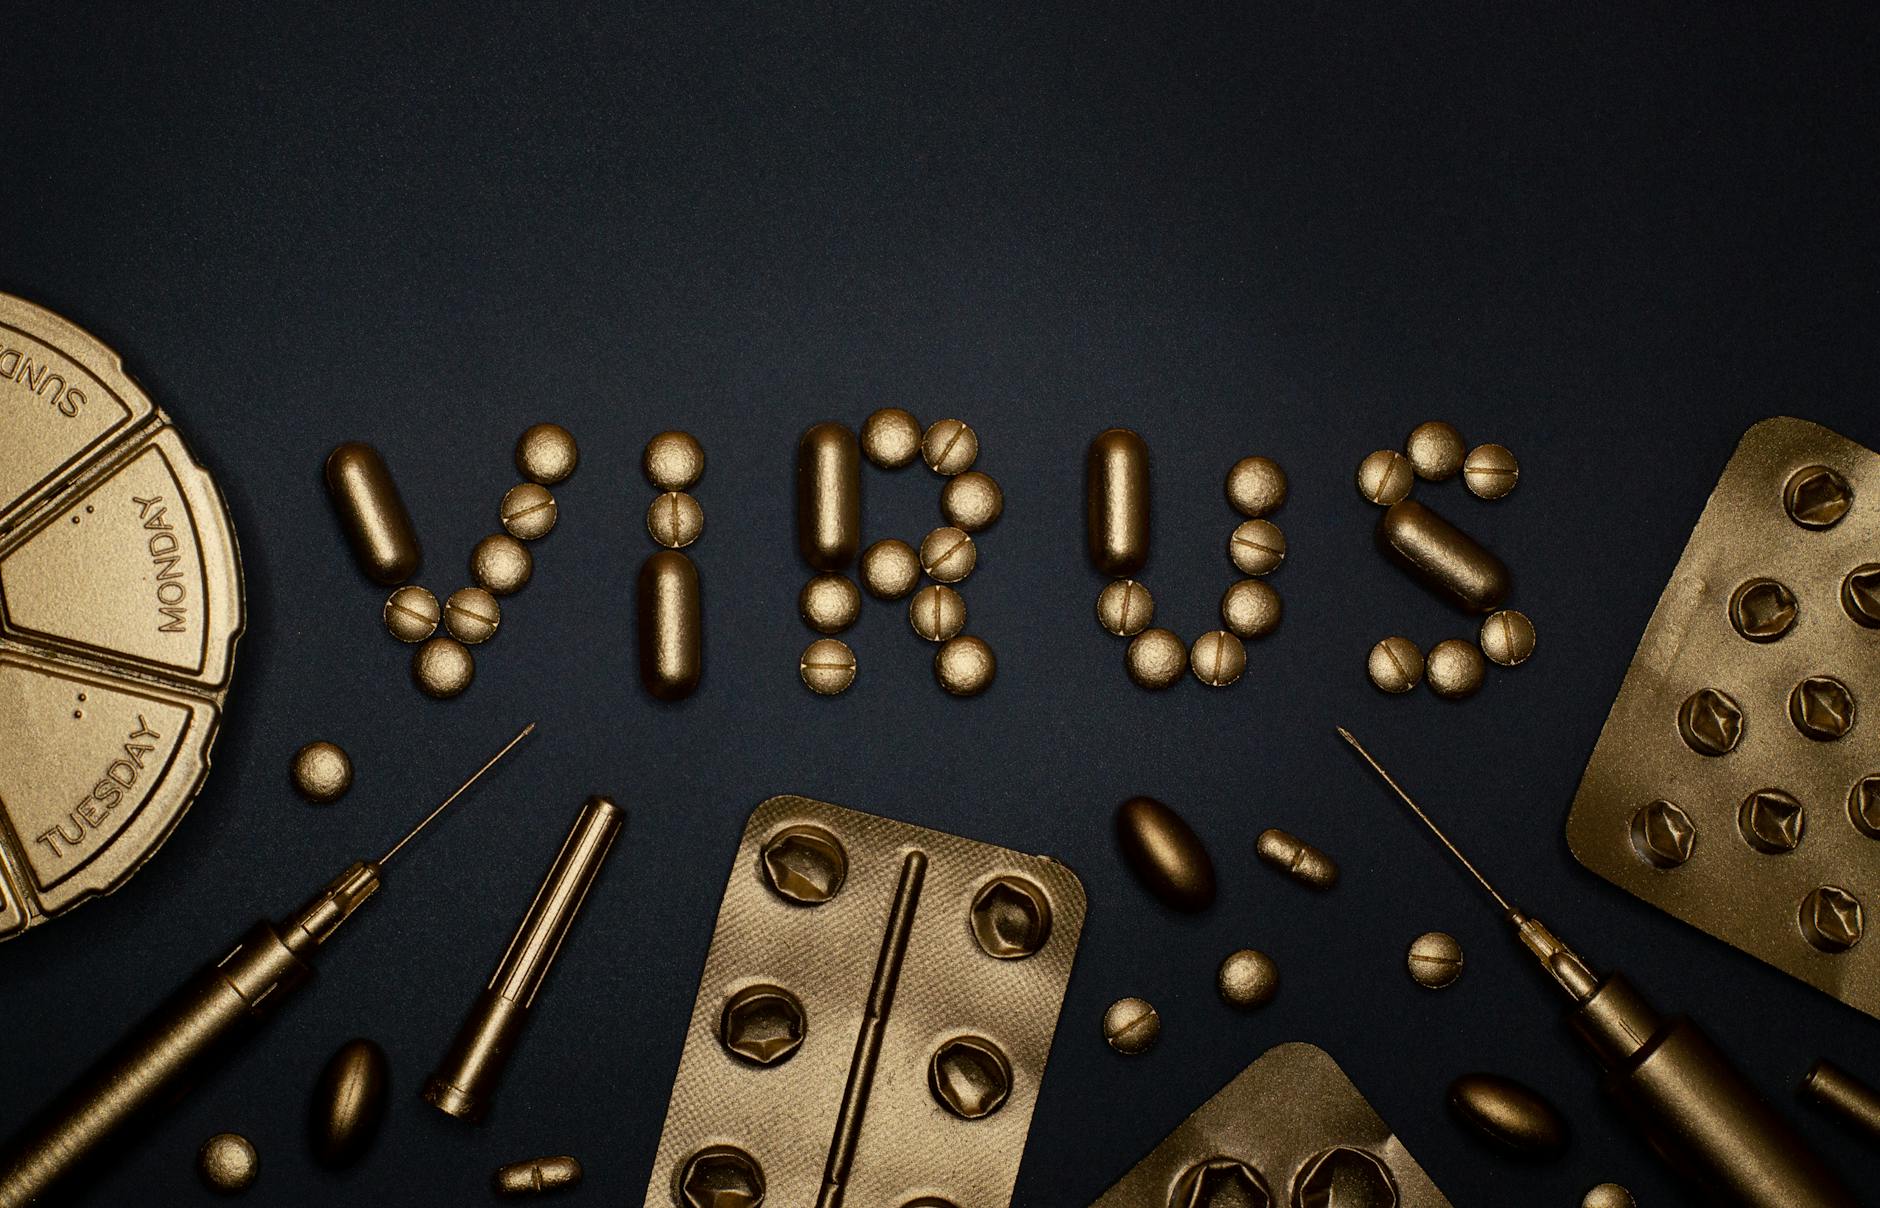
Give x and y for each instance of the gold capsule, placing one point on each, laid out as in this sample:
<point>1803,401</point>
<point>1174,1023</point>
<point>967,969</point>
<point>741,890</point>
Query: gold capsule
<point>673,461</point>
<point>322,772</point>
<point>671,626</point>
<point>1125,608</point>
<point>1256,486</point>
<point>827,667</point>
<point>675,520</point>
<point>1384,477</point>
<point>501,564</point>
<point>1435,451</point>
<point>1395,665</point>
<point>349,1103</point>
<point>529,511</point>
<point>546,453</point>
<point>1817,497</point>
<point>1454,669</point>
<point>1247,979</point>
<point>828,496</point>
<point>1296,858</point>
<point>1434,960</point>
<point>949,447</point>
<point>1257,547</point>
<point>1250,609</point>
<point>1217,658</point>
<point>829,603</point>
<point>538,1176</point>
<point>1608,1195</point>
<point>1490,471</point>
<point>1762,610</point>
<point>372,513</point>
<point>1131,1025</point>
<point>936,612</point>
<point>965,665</point>
<point>948,555</point>
<point>1156,659</point>
<point>412,614</point>
<point>228,1163</point>
<point>891,438</point>
<point>1116,502</point>
<point>472,615</point>
<point>1444,558</point>
<point>1512,1116</point>
<point>1166,855</point>
<point>1860,595</point>
<point>1507,638</point>
<point>443,668</point>
<point>972,501</point>
<point>890,569</point>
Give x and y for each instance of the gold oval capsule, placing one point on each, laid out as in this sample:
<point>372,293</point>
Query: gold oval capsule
<point>1296,858</point>
<point>349,1103</point>
<point>372,513</point>
<point>828,496</point>
<point>1116,502</point>
<point>1165,854</point>
<point>671,631</point>
<point>536,1176</point>
<point>1509,1114</point>
<point>1443,557</point>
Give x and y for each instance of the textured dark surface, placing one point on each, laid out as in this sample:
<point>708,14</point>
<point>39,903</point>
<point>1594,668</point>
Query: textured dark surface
<point>1608,236</point>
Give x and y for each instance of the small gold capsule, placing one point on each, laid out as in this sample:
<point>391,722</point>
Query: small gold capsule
<point>1247,979</point>
<point>948,555</point>
<point>1444,558</point>
<point>1125,608</point>
<point>1116,502</point>
<point>537,1176</point>
<point>322,772</point>
<point>1156,659</point>
<point>443,668</point>
<point>1296,858</point>
<point>1256,486</point>
<point>673,461</point>
<point>671,626</point>
<point>1385,476</point>
<point>1218,658</point>
<point>1608,1195</point>
<point>936,612</point>
<point>1434,960</point>
<point>950,447</point>
<point>828,497</point>
<point>1860,595</point>
<point>529,511</point>
<point>228,1163</point>
<point>349,1103</point>
<point>891,438</point>
<point>890,569</point>
<point>829,603</point>
<point>1454,669</point>
<point>1509,1114</point>
<point>1257,547</point>
<point>372,513</point>
<point>546,453</point>
<point>1130,1026</point>
<point>1490,471</point>
<point>675,519</point>
<point>1507,638</point>
<point>412,614</point>
<point>965,665</point>
<point>1817,497</point>
<point>972,501</point>
<point>1165,854</point>
<point>472,615</point>
<point>501,564</point>
<point>1435,450</point>
<point>1395,665</point>
<point>1250,609</point>
<point>827,666</point>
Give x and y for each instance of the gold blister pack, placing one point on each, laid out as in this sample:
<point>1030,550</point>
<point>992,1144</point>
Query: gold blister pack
<point>120,607</point>
<point>1290,1129</point>
<point>873,1020</point>
<point>1736,784</point>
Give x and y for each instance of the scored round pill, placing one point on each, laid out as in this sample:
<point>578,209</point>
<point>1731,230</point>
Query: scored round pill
<point>965,665</point>
<point>1156,658</point>
<point>412,614</point>
<point>971,501</point>
<point>827,666</point>
<point>1395,665</point>
<point>546,453</point>
<point>890,569</point>
<point>228,1163</point>
<point>1125,608</point>
<point>675,520</point>
<point>1247,978</point>
<point>1250,609</point>
<point>1507,638</point>
<point>1257,547</point>
<point>891,438</point>
<point>1435,450</point>
<point>1385,476</point>
<point>472,615</point>
<point>1130,1025</point>
<point>443,668</point>
<point>948,555</point>
<point>949,447</point>
<point>322,772</point>
<point>673,461</point>
<point>1256,486</point>
<point>1490,471</point>
<point>829,603</point>
<point>1218,658</point>
<point>936,612</point>
<point>529,511</point>
<point>501,564</point>
<point>1453,669</point>
<point>1434,959</point>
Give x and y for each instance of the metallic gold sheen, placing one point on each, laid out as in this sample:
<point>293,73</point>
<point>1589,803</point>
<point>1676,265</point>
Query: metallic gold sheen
<point>827,667</point>
<point>1117,502</point>
<point>412,614</point>
<point>1762,610</point>
<point>1435,450</point>
<point>1395,665</point>
<point>529,512</point>
<point>828,497</point>
<point>972,501</point>
<point>890,569</point>
<point>1434,960</point>
<point>1256,486</point>
<point>1860,594</point>
<point>372,513</point>
<point>228,1163</point>
<point>1507,638</point>
<point>1608,1195</point>
<point>349,1103</point>
<point>472,615</point>
<point>443,668</point>
<point>1296,858</point>
<point>1384,477</point>
<point>546,453</point>
<point>1125,608</point>
<point>829,603</point>
<point>671,626</point>
<point>1817,497</point>
<point>948,555</point>
<point>500,564</point>
<point>1250,608</point>
<point>936,612</point>
<point>1490,471</point>
<point>675,520</point>
<point>673,461</point>
<point>891,438</point>
<point>1454,669</point>
<point>1217,658</point>
<point>1131,1025</point>
<point>1247,979</point>
<point>1156,659</point>
<point>1856,1103</point>
<point>1512,1116</point>
<point>1444,558</point>
<point>950,447</point>
<point>1257,547</point>
<point>322,772</point>
<point>536,1176</point>
<point>1165,854</point>
<point>965,665</point>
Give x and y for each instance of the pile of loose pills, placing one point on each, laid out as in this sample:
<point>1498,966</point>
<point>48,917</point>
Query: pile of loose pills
<point>670,619</point>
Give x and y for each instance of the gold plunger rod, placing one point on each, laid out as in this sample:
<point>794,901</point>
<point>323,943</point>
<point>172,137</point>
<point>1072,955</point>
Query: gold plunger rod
<point>463,788</point>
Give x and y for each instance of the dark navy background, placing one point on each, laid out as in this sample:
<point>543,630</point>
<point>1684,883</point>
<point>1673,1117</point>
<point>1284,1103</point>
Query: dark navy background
<point>1609,236</point>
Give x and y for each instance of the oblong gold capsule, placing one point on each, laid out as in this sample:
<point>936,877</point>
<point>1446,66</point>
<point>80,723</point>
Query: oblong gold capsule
<point>1116,502</point>
<point>671,627</point>
<point>1443,557</point>
<point>536,1176</point>
<point>1513,1116</point>
<point>1165,854</point>
<point>1296,858</point>
<point>349,1103</point>
<point>829,496</point>
<point>372,513</point>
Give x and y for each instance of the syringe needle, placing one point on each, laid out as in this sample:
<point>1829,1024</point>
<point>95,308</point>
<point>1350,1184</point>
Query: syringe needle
<point>463,788</point>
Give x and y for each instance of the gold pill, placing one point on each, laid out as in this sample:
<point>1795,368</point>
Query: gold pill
<point>965,665</point>
<point>1125,608</point>
<point>372,513</point>
<point>537,1176</point>
<point>1442,557</point>
<point>1257,547</point>
<point>891,438</point>
<point>936,612</point>
<point>349,1103</point>
<point>1434,960</point>
<point>472,615</point>
<point>546,453</point>
<point>1828,1085</point>
<point>949,447</point>
<point>673,461</point>
<point>827,666</point>
<point>1116,502</point>
<point>1608,1195</point>
<point>322,772</point>
<point>1247,979</point>
<point>1256,486</point>
<point>1296,858</point>
<point>828,496</point>
<point>1130,1025</point>
<point>1512,1116</point>
<point>443,668</point>
<point>1817,497</point>
<point>412,614</point>
<point>1250,609</point>
<point>501,564</point>
<point>1165,854</point>
<point>1454,669</point>
<point>1385,476</point>
<point>890,569</point>
<point>1435,450</point>
<point>948,555</point>
<point>675,519</point>
<point>1490,471</point>
<point>1217,658</point>
<point>1156,658</point>
<point>228,1163</point>
<point>671,628</point>
<point>1395,665</point>
<point>529,511</point>
<point>1507,638</point>
<point>829,603</point>
<point>972,501</point>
